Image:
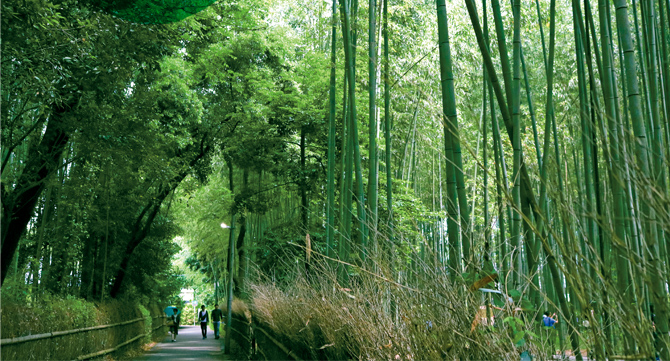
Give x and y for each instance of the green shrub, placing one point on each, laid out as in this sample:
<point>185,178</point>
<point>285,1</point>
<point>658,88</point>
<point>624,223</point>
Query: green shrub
<point>55,313</point>
<point>148,324</point>
<point>187,315</point>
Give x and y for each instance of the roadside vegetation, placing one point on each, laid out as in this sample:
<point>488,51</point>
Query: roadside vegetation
<point>391,157</point>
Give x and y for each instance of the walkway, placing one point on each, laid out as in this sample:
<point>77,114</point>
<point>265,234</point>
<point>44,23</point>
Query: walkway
<point>189,346</point>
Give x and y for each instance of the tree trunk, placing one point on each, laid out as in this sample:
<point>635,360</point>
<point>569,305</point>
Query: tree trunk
<point>40,243</point>
<point>143,222</point>
<point>241,248</point>
<point>18,206</point>
<point>240,280</point>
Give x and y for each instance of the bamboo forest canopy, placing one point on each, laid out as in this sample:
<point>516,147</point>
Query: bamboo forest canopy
<point>153,11</point>
<point>520,146</point>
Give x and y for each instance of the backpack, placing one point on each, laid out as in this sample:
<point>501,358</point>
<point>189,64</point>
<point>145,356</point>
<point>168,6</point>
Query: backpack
<point>203,316</point>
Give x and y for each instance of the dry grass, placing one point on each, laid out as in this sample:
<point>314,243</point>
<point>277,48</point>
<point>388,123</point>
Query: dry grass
<point>239,308</point>
<point>376,319</point>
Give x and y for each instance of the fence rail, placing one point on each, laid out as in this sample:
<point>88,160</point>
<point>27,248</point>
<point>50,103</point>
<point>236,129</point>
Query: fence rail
<point>280,345</point>
<point>16,340</point>
<point>110,350</point>
<point>10,341</point>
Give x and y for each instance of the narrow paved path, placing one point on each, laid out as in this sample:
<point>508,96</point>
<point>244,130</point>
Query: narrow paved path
<point>189,346</point>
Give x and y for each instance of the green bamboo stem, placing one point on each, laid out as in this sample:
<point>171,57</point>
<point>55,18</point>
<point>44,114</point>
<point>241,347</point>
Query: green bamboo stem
<point>635,108</point>
<point>642,56</point>
<point>373,175</point>
<point>527,191</point>
<point>502,249</point>
<point>516,144</point>
<point>350,49</point>
<point>449,111</point>
<point>603,258</point>
<point>531,110</point>
<point>330,208</point>
<point>502,49</point>
<point>550,123</point>
<point>664,39</point>
<point>586,133</point>
<point>343,172</point>
<point>615,177</point>
<point>487,225</point>
<point>657,153</point>
<point>346,186</point>
<point>387,125</point>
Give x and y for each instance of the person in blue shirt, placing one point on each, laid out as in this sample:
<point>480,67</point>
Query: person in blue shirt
<point>549,321</point>
<point>549,327</point>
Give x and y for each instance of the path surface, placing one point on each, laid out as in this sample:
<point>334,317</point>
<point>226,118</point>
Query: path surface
<point>189,346</point>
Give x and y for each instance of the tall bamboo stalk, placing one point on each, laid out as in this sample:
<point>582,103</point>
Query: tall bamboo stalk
<point>657,152</point>
<point>330,208</point>
<point>452,131</point>
<point>502,49</point>
<point>485,87</point>
<point>373,175</point>
<point>516,143</point>
<point>346,186</point>
<point>614,169</point>
<point>635,108</point>
<point>531,110</point>
<point>502,249</point>
<point>387,125</point>
<point>349,47</point>
<point>449,115</point>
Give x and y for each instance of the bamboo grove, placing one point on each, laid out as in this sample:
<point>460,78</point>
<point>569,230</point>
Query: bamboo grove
<point>526,141</point>
<point>594,246</point>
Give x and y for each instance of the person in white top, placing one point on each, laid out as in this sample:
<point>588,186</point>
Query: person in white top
<point>203,317</point>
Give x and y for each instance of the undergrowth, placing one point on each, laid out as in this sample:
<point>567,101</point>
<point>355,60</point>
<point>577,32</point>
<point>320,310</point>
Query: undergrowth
<point>52,313</point>
<point>427,317</point>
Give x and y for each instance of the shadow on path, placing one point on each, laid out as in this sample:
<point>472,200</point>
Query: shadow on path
<point>189,346</point>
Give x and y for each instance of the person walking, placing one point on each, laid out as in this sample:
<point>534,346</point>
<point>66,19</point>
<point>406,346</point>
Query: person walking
<point>216,319</point>
<point>176,320</point>
<point>203,317</point>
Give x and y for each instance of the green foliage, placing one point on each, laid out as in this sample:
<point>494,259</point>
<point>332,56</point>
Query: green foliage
<point>188,315</point>
<point>155,117</point>
<point>148,325</point>
<point>154,11</point>
<point>522,334</point>
<point>53,313</point>
<point>100,64</point>
<point>15,290</point>
<point>56,313</point>
<point>516,326</point>
<point>202,214</point>
<point>278,254</point>
<point>521,301</point>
